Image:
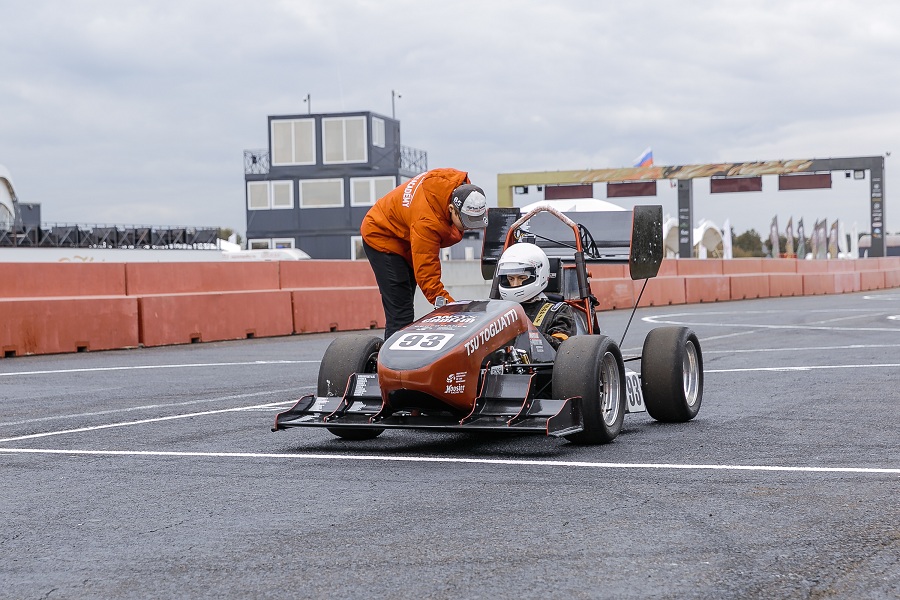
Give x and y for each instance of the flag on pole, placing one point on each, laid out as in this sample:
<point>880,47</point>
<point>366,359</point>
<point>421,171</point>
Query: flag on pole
<point>727,248</point>
<point>819,240</point>
<point>645,159</point>
<point>833,240</point>
<point>843,248</point>
<point>773,238</point>
<point>801,240</point>
<point>789,234</point>
<point>822,238</point>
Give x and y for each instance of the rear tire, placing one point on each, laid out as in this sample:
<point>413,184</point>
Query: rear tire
<point>346,355</point>
<point>672,374</point>
<point>591,366</point>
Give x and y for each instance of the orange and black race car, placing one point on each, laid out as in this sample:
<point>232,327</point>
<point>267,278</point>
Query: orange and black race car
<point>482,365</point>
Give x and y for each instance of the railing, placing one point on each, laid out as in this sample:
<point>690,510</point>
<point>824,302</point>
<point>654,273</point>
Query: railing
<point>413,159</point>
<point>256,162</point>
<point>109,236</point>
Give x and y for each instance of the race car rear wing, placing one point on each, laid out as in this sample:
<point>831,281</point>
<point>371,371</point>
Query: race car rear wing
<point>628,236</point>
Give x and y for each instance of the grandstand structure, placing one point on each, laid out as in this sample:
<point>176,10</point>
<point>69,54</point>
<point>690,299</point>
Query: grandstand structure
<point>793,174</point>
<point>18,231</point>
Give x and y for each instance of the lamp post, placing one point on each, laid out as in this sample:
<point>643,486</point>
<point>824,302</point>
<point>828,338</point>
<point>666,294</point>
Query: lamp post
<point>394,94</point>
<point>308,103</point>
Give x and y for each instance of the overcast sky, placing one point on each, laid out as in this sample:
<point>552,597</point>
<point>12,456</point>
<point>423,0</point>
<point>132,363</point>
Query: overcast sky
<point>113,111</point>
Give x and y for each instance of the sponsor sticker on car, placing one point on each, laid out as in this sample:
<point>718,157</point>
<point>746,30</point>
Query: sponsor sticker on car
<point>421,341</point>
<point>634,397</point>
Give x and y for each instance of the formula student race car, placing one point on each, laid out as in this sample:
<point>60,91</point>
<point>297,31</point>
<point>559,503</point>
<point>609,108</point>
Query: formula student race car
<point>482,365</point>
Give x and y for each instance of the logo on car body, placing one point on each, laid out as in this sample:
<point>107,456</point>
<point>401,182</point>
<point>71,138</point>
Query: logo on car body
<point>491,330</point>
<point>456,383</point>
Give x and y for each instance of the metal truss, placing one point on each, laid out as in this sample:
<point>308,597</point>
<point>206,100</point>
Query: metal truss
<point>256,162</point>
<point>413,159</point>
<point>86,236</point>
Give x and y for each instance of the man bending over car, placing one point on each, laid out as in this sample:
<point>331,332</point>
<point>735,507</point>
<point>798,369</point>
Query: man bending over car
<point>524,272</point>
<point>404,232</point>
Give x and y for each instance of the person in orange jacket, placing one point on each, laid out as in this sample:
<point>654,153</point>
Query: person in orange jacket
<point>405,230</point>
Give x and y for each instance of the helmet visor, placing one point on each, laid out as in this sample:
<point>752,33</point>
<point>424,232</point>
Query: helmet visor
<point>516,274</point>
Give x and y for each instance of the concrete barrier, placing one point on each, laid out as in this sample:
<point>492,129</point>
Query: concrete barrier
<point>189,318</point>
<point>660,291</point>
<point>785,284</point>
<point>712,288</point>
<point>67,324</point>
<point>40,280</point>
<point>815,284</point>
<point>183,278</point>
<point>743,266</point>
<point>71,307</point>
<point>337,309</point>
<point>871,280</point>
<point>745,286</point>
<point>325,274</point>
<point>687,268</point>
<point>613,293</point>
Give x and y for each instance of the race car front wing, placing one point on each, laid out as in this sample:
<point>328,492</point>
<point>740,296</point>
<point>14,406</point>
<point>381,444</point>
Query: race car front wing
<point>506,403</point>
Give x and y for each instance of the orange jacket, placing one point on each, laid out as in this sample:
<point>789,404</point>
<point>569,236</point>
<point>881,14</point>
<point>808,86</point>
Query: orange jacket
<point>413,220</point>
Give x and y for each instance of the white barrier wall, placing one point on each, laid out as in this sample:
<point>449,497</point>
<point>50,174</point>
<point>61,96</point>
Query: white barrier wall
<point>463,280</point>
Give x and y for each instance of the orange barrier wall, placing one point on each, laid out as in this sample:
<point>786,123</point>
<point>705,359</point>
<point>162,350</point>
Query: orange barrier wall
<point>187,318</point>
<point>785,284</point>
<point>745,286</point>
<point>67,324</point>
<point>44,280</point>
<point>326,274</point>
<point>68,307</point>
<point>181,278</point>
<point>337,309</point>
<point>660,291</point>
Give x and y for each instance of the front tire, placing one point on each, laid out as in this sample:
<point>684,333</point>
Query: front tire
<point>346,355</point>
<point>672,374</point>
<point>591,366</point>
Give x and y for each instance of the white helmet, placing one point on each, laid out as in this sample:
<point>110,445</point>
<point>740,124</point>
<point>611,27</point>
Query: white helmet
<point>523,259</point>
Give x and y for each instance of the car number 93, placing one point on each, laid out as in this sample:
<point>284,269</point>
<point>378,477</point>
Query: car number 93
<point>421,341</point>
<point>634,397</point>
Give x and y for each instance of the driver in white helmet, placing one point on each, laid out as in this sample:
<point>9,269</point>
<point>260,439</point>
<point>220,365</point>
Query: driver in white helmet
<point>524,271</point>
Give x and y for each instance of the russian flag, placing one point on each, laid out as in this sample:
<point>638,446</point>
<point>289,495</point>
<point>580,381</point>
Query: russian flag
<point>645,159</point>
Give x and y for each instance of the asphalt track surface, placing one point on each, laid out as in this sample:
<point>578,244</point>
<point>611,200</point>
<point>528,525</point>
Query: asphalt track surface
<point>153,473</point>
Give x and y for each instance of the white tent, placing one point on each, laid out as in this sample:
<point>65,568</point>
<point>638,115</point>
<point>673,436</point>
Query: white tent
<point>574,205</point>
<point>727,249</point>
<point>670,236</point>
<point>707,238</point>
<point>7,197</point>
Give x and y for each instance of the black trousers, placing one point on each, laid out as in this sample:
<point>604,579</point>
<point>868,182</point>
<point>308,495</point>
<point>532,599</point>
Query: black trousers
<point>397,284</point>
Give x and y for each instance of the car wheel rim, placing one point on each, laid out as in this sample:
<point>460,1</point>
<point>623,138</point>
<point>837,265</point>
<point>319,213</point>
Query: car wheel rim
<point>611,387</point>
<point>690,368</point>
<point>371,363</point>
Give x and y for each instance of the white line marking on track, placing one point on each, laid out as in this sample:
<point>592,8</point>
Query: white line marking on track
<point>805,349</point>
<point>657,321</point>
<point>145,421</point>
<point>441,459</point>
<point>728,335</point>
<point>805,368</point>
<point>184,366</point>
<point>842,318</point>
<point>665,319</point>
<point>101,413</point>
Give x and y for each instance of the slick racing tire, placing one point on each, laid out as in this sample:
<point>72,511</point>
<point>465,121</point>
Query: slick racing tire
<point>346,355</point>
<point>591,366</point>
<point>672,374</point>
